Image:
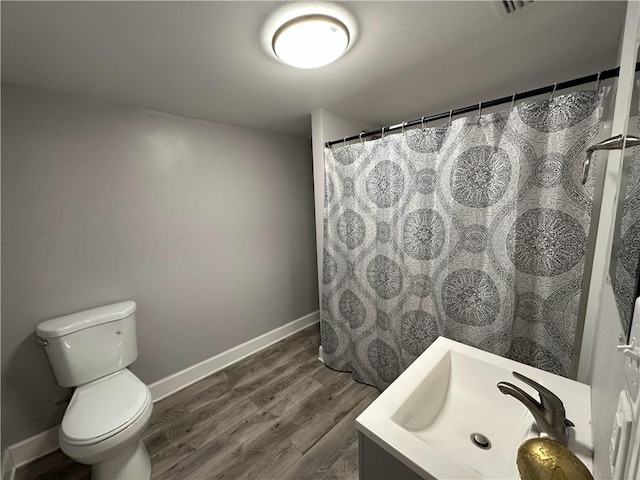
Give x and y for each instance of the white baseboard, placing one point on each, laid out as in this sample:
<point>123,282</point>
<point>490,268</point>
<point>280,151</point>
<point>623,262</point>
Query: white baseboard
<point>46,442</point>
<point>34,447</point>
<point>8,470</point>
<point>173,383</point>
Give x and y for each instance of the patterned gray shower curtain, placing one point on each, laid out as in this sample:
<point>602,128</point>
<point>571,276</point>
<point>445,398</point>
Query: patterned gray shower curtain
<point>476,231</point>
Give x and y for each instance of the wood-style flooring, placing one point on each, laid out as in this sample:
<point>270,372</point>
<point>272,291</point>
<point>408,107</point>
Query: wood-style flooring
<point>278,414</point>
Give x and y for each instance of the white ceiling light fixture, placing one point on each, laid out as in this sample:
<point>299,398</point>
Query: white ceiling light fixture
<point>309,34</point>
<point>311,41</point>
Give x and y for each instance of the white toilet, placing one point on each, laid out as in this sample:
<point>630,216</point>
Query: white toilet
<point>110,407</point>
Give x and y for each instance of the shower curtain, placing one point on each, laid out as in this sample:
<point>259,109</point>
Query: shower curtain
<point>476,231</point>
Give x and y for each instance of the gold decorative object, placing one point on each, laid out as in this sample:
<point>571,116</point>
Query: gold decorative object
<point>546,459</point>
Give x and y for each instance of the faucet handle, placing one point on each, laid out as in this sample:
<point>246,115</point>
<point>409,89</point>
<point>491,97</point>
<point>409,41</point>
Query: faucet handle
<point>549,413</point>
<point>549,400</point>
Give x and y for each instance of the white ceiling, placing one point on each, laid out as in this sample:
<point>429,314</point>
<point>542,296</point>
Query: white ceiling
<point>205,60</point>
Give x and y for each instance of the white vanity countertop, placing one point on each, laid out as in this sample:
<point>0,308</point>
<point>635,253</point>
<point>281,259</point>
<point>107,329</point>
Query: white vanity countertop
<point>426,417</point>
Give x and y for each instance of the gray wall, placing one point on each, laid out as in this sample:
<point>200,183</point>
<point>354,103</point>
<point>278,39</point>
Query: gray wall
<point>209,227</point>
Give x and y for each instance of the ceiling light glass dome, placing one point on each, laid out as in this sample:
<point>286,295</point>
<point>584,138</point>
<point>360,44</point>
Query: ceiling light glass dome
<point>310,41</point>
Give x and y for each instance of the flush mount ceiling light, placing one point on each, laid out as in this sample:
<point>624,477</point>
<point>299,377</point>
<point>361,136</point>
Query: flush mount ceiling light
<point>309,34</point>
<point>311,41</point>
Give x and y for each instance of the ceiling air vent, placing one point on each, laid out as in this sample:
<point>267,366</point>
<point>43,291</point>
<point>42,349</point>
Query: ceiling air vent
<point>507,7</point>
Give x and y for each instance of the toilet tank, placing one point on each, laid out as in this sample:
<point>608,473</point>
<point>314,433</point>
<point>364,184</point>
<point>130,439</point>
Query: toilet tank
<point>87,345</point>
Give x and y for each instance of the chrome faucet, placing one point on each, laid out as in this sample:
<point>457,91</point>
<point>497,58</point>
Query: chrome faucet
<point>548,413</point>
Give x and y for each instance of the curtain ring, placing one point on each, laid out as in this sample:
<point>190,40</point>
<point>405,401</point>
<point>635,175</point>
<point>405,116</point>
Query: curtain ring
<point>479,109</point>
<point>598,80</point>
<point>361,133</point>
<point>513,100</point>
<point>553,91</point>
<point>382,133</point>
<point>404,124</point>
<point>450,115</point>
<point>344,140</point>
<point>422,122</point>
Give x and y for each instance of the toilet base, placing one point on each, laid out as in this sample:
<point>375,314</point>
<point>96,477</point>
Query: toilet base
<point>132,464</point>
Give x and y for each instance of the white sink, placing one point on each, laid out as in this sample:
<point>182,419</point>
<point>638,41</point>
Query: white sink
<point>426,417</point>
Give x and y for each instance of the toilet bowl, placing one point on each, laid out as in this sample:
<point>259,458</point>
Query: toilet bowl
<point>104,424</point>
<point>110,408</point>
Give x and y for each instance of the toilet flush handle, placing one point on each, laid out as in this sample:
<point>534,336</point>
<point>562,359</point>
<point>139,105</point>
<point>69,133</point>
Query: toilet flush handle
<point>42,342</point>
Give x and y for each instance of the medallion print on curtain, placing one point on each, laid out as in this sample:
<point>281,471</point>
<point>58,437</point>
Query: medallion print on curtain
<point>476,231</point>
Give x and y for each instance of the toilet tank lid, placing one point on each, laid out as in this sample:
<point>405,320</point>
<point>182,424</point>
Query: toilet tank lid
<point>60,326</point>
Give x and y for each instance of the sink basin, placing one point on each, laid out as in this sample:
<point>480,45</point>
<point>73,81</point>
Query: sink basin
<point>426,418</point>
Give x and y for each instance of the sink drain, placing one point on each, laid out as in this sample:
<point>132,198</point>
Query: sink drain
<point>480,441</point>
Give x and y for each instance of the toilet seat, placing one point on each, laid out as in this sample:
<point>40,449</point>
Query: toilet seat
<point>102,408</point>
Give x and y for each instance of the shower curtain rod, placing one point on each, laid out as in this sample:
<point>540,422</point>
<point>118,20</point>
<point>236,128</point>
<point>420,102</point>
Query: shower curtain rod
<point>603,75</point>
